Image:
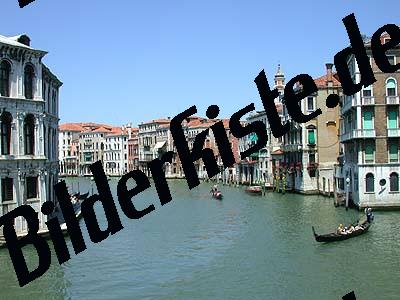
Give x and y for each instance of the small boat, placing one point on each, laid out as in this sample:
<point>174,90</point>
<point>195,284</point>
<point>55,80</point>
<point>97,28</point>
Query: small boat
<point>217,195</point>
<point>256,189</point>
<point>333,237</point>
<point>84,196</point>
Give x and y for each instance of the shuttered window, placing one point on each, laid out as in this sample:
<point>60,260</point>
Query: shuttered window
<point>311,137</point>
<point>7,189</point>
<point>369,153</point>
<point>367,120</point>
<point>392,119</point>
<point>31,187</point>
<point>393,152</point>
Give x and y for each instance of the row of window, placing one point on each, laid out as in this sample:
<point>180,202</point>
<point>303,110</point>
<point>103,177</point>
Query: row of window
<point>370,182</point>
<point>391,89</point>
<point>29,76</point>
<point>392,118</point>
<point>29,133</point>
<point>7,188</point>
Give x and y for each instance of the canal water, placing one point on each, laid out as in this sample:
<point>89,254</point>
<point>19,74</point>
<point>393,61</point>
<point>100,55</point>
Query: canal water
<point>244,247</point>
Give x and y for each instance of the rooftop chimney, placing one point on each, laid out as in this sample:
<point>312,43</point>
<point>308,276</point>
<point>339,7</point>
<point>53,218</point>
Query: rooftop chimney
<point>329,79</point>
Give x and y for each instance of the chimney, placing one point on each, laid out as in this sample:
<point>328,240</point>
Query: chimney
<point>329,79</point>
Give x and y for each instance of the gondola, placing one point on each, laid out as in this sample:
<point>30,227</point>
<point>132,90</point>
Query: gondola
<point>84,196</point>
<point>217,195</point>
<point>255,190</point>
<point>333,237</point>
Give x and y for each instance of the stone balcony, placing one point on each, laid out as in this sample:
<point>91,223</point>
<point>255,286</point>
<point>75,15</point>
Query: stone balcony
<point>393,100</point>
<point>367,101</point>
<point>393,132</point>
<point>358,134</point>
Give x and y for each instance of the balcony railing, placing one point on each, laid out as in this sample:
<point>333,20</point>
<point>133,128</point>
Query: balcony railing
<point>367,100</point>
<point>393,132</point>
<point>363,133</point>
<point>291,147</point>
<point>357,134</point>
<point>392,100</point>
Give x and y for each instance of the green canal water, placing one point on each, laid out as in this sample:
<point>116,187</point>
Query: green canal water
<point>244,247</point>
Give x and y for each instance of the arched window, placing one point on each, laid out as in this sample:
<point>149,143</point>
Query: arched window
<point>6,120</point>
<point>394,182</point>
<point>5,70</point>
<point>369,183</point>
<point>29,76</point>
<point>29,134</point>
<point>391,87</point>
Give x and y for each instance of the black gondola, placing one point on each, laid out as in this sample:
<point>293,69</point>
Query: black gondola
<point>333,237</point>
<point>84,196</point>
<point>217,195</point>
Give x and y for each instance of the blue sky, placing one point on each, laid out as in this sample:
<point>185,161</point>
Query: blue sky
<point>130,61</point>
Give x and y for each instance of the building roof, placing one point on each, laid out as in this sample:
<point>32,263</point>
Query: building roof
<point>71,127</point>
<point>320,82</point>
<point>15,42</point>
<point>160,121</point>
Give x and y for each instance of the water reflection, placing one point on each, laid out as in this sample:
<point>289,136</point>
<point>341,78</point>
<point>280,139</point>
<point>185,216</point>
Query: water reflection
<point>243,247</point>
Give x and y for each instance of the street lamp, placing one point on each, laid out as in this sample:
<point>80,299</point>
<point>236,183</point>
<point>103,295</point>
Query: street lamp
<point>347,192</point>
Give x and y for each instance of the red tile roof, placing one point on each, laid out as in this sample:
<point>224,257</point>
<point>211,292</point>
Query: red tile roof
<point>71,127</point>
<point>320,82</point>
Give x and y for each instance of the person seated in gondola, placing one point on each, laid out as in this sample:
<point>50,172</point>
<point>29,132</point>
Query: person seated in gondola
<point>340,228</point>
<point>351,228</point>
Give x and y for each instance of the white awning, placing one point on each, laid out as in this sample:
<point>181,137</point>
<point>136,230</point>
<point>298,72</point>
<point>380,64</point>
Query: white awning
<point>159,145</point>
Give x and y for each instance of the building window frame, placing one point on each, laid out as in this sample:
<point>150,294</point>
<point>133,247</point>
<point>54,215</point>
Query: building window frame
<point>29,81</point>
<point>369,183</point>
<point>7,189</point>
<point>5,133</point>
<point>369,156</point>
<point>31,185</point>
<point>394,59</point>
<point>29,135</point>
<point>394,182</point>
<point>388,86</point>
<point>393,152</point>
<point>5,82</point>
<point>310,100</point>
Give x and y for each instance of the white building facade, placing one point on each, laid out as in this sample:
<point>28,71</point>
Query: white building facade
<point>29,128</point>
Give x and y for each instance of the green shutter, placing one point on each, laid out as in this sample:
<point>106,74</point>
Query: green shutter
<point>367,120</point>
<point>393,152</point>
<point>369,153</point>
<point>253,138</point>
<point>311,137</point>
<point>392,116</point>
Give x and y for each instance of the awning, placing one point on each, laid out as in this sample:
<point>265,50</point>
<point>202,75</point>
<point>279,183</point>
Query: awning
<point>159,145</point>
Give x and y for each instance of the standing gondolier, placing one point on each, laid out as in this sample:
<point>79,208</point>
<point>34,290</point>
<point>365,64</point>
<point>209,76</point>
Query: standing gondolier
<point>369,214</point>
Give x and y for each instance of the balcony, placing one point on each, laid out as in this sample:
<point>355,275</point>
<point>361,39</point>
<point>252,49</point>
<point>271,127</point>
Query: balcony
<point>363,133</point>
<point>357,134</point>
<point>291,147</point>
<point>392,100</point>
<point>367,101</point>
<point>393,132</point>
